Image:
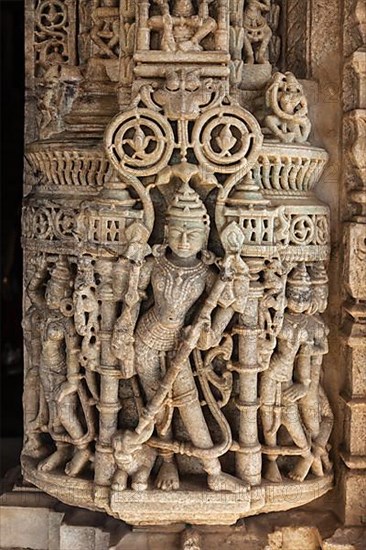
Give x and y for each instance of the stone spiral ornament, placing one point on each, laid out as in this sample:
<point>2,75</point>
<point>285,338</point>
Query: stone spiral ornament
<point>139,142</point>
<point>227,139</point>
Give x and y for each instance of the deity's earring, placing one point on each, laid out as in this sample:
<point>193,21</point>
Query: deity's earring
<point>159,250</point>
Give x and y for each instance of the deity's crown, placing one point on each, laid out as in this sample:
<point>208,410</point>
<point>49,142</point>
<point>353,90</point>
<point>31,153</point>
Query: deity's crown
<point>318,275</point>
<point>188,206</point>
<point>299,277</point>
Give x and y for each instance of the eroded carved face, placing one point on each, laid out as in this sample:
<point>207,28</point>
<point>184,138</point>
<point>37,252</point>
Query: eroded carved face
<point>186,238</point>
<point>298,299</point>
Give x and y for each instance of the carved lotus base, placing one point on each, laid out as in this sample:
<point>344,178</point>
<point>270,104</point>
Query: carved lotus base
<point>193,503</point>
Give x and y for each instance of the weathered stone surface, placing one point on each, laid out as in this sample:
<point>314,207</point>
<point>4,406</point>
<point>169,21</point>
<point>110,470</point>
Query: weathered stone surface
<point>180,362</point>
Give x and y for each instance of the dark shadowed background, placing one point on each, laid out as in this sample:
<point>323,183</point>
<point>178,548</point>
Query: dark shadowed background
<point>12,97</point>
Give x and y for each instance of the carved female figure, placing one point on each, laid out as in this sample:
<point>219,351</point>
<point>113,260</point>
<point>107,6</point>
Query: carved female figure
<point>315,409</point>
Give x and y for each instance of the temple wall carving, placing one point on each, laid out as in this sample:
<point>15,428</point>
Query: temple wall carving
<point>178,222</point>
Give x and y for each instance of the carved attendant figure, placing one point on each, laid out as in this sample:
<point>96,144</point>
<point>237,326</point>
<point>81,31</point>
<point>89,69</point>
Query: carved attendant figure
<point>315,409</point>
<point>60,376</point>
<point>183,30</point>
<point>287,378</point>
<point>256,31</point>
<point>33,399</point>
<point>289,120</point>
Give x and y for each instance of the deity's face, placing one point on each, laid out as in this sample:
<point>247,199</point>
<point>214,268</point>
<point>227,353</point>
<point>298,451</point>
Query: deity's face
<point>298,299</point>
<point>186,238</point>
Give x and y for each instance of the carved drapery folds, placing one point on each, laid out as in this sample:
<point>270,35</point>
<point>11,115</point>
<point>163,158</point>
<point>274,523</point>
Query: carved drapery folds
<point>175,265</point>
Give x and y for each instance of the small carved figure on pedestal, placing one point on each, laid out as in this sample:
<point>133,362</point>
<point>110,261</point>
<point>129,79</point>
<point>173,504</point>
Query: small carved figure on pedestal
<point>182,30</point>
<point>257,32</point>
<point>133,459</point>
<point>286,100</point>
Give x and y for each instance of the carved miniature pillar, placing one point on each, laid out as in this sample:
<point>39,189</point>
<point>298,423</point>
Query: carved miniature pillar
<point>109,400</point>
<point>248,462</point>
<point>221,33</point>
<point>143,34</point>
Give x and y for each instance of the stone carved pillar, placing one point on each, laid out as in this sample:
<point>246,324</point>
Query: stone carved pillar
<point>179,259</point>
<point>354,275</point>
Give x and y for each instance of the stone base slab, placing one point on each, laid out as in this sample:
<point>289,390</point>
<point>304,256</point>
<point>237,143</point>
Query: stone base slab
<point>193,503</point>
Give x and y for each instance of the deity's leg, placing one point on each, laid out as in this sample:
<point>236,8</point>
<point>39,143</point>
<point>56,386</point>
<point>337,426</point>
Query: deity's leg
<point>148,367</point>
<point>262,50</point>
<point>33,421</point>
<point>292,421</point>
<point>67,410</point>
<point>248,50</point>
<point>50,383</point>
<point>186,396</point>
<point>209,25</point>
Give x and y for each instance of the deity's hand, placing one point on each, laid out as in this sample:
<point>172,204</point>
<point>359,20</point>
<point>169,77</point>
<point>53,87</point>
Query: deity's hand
<point>294,393</point>
<point>67,388</point>
<point>207,338</point>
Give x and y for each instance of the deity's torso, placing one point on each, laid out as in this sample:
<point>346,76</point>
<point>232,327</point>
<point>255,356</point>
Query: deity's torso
<point>293,334</point>
<point>175,289</point>
<point>53,358</point>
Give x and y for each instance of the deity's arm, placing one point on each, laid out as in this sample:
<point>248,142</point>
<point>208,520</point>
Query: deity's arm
<point>320,331</point>
<point>156,22</point>
<point>72,353</point>
<point>212,334</point>
<point>123,334</point>
<point>32,324</point>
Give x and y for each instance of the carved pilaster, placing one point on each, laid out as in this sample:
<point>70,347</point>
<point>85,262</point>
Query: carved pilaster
<point>354,274</point>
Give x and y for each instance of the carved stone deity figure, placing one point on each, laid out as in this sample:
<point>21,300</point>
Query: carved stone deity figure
<point>285,98</point>
<point>174,263</point>
<point>257,32</point>
<point>33,399</point>
<point>315,409</point>
<point>179,277</point>
<point>60,376</point>
<point>183,29</point>
<point>287,378</point>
